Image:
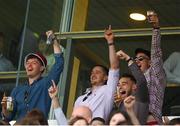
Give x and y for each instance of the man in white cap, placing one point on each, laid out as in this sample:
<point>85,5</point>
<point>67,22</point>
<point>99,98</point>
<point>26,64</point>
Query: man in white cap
<point>34,93</point>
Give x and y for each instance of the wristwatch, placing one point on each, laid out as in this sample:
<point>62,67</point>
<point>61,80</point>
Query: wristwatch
<point>130,58</point>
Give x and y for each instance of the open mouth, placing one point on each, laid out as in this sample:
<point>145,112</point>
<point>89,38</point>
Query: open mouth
<point>123,92</point>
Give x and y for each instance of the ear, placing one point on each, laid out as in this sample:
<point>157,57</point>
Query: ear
<point>134,87</point>
<point>105,78</point>
<point>149,63</point>
<point>42,68</point>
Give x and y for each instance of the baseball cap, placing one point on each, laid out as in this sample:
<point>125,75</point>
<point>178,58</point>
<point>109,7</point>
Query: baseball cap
<point>37,55</point>
<point>141,50</point>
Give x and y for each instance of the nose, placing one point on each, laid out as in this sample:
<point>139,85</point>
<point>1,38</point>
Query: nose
<point>137,61</point>
<point>119,85</point>
<point>28,64</point>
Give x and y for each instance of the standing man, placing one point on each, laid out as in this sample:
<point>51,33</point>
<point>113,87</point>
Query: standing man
<point>99,98</point>
<point>151,64</point>
<point>34,93</point>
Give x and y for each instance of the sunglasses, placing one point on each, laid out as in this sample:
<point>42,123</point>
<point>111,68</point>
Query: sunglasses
<point>141,58</point>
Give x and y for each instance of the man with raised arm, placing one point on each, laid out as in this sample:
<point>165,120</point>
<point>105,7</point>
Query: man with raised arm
<point>151,64</point>
<point>34,93</point>
<point>99,98</point>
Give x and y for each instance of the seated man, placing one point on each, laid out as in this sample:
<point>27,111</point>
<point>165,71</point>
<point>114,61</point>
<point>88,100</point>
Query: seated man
<point>172,68</point>
<point>34,92</point>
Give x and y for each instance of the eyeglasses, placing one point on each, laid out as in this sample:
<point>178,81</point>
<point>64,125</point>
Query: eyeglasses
<point>141,58</point>
<point>84,99</point>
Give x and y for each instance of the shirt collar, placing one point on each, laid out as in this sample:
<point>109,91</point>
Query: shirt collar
<point>34,81</point>
<point>88,90</point>
<point>147,71</point>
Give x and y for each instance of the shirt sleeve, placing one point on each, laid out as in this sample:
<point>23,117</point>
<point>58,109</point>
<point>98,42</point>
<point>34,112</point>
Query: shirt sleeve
<point>141,93</point>
<point>156,58</point>
<point>113,79</point>
<point>56,69</point>
<point>60,117</point>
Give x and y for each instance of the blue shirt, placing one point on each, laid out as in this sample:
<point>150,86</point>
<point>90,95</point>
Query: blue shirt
<point>28,97</point>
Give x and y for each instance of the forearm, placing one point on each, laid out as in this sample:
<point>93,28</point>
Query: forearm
<point>133,117</point>
<point>55,102</point>
<point>60,117</point>
<point>114,62</point>
<point>156,44</point>
<point>142,89</point>
<point>156,55</point>
<point>56,47</point>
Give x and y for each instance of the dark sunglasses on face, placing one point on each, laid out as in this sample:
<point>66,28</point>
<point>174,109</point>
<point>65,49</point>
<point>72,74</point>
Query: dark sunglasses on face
<point>141,58</point>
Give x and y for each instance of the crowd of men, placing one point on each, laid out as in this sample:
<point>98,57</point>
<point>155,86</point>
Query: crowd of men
<point>130,99</point>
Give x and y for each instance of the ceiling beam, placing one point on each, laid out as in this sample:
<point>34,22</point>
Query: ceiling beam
<point>118,33</point>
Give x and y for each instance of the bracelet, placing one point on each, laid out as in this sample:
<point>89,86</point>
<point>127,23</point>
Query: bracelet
<point>129,59</point>
<point>156,27</point>
<point>110,44</point>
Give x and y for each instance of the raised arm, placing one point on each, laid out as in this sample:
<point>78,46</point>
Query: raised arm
<point>57,68</point>
<point>156,52</point>
<point>59,115</point>
<point>109,36</point>
<point>113,76</point>
<point>129,103</point>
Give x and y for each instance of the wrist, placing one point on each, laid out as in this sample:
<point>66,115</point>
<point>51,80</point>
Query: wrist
<point>54,98</point>
<point>110,43</point>
<point>54,39</point>
<point>128,59</point>
<point>156,26</point>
